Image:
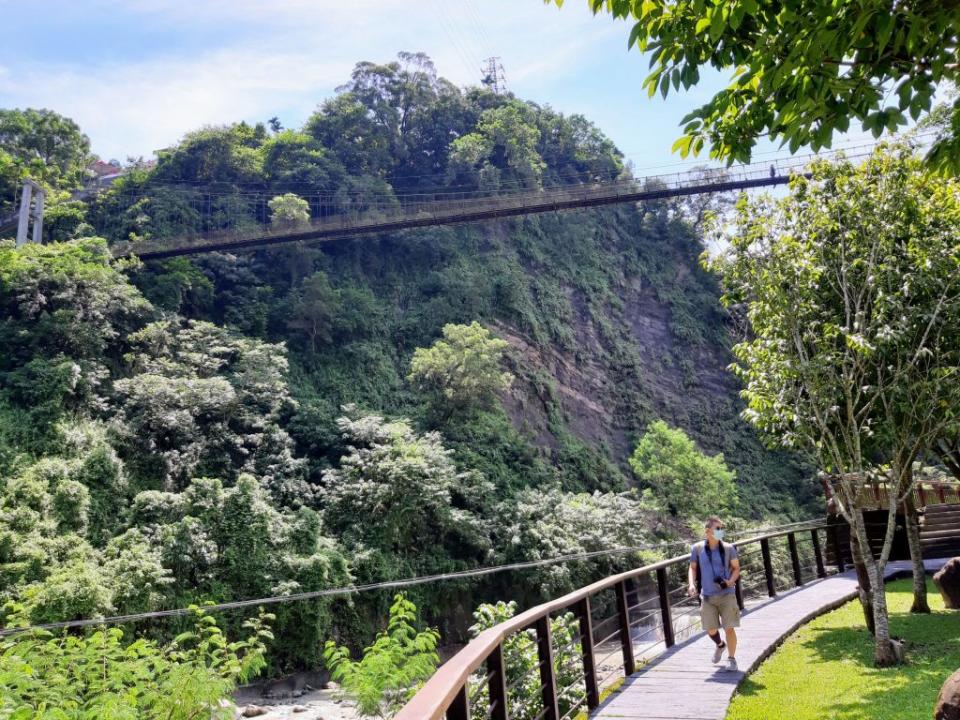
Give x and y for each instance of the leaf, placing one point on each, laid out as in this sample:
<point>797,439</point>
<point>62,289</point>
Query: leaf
<point>683,145</point>
<point>885,23</point>
<point>717,25</point>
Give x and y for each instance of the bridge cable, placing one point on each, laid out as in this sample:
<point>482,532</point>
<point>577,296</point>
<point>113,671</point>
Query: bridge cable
<point>388,584</point>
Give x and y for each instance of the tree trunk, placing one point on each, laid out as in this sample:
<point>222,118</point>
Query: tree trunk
<point>863,581</point>
<point>912,521</point>
<point>883,652</point>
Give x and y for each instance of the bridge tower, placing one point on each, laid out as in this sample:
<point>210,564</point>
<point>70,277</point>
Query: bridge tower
<point>31,208</point>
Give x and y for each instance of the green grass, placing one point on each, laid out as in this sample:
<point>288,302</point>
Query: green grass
<point>825,669</point>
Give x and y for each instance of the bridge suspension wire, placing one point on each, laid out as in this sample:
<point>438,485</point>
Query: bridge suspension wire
<point>338,219</point>
<point>384,585</point>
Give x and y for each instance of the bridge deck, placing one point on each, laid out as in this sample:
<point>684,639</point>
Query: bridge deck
<point>683,684</point>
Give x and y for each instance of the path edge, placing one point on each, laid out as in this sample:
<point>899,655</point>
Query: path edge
<point>812,615</point>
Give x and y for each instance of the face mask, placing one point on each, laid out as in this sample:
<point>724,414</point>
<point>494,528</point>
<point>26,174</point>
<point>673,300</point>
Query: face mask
<point>718,534</point>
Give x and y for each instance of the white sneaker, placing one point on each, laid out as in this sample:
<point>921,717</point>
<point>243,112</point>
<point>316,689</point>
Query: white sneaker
<point>718,653</point>
<point>731,666</point>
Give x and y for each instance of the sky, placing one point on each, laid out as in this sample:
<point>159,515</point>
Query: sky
<point>139,74</point>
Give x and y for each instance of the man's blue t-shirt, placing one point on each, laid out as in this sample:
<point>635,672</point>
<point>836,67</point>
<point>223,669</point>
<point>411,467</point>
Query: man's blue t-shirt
<point>712,568</point>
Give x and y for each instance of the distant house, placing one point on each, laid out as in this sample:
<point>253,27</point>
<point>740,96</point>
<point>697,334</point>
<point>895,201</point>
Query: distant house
<point>103,173</point>
<point>103,169</point>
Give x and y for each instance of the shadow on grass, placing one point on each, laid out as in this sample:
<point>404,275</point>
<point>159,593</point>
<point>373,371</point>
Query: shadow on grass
<point>922,635</point>
<point>827,671</point>
<point>932,651</point>
<point>750,687</point>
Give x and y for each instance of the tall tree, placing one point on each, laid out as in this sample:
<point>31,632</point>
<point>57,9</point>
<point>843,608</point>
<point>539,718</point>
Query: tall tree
<point>462,370</point>
<point>503,143</point>
<point>45,145</point>
<point>851,286</point>
<point>689,482</point>
<point>802,70</point>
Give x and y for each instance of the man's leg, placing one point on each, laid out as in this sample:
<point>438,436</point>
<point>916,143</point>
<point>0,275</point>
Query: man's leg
<point>710,620</point>
<point>718,651</point>
<point>731,634</point>
<point>730,614</point>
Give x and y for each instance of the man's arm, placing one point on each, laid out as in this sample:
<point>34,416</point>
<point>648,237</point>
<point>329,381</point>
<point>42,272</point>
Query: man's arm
<point>734,572</point>
<point>692,579</point>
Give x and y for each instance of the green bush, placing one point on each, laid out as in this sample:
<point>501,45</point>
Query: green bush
<point>520,660</point>
<point>687,481</point>
<point>104,675</point>
<point>392,668</point>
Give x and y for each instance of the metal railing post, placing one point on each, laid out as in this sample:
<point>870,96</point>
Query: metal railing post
<point>548,679</point>
<point>818,554</point>
<point>795,559</point>
<point>460,707</point>
<point>626,641</point>
<point>668,638</point>
<point>498,685</point>
<point>768,567</point>
<point>586,648</point>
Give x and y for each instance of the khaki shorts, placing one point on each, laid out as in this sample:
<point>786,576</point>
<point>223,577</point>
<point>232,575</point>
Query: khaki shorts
<point>717,608</point>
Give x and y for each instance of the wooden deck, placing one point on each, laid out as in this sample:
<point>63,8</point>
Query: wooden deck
<point>683,684</point>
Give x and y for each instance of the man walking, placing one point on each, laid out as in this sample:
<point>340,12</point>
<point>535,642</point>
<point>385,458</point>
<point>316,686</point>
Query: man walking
<point>715,566</point>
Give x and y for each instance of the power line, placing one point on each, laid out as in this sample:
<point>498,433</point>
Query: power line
<point>384,585</point>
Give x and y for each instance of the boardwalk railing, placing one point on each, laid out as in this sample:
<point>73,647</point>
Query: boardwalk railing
<point>377,214</point>
<point>874,494</point>
<point>621,621</point>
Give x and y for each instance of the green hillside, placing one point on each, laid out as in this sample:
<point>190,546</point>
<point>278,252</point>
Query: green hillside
<point>233,426</point>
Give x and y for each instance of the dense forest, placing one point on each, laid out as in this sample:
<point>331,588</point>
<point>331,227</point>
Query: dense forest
<point>232,426</point>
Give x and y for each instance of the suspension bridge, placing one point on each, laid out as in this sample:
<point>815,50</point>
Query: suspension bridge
<point>404,212</point>
<point>244,225</point>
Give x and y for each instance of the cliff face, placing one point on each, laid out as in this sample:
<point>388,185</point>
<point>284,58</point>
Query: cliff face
<point>611,322</point>
<point>592,392</point>
<point>657,347</point>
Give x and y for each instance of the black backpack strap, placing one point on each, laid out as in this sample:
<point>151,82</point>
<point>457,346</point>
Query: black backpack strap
<point>698,548</point>
<point>723,556</point>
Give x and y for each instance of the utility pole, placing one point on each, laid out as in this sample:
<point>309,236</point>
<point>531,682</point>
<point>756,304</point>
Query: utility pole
<point>493,76</point>
<point>30,211</point>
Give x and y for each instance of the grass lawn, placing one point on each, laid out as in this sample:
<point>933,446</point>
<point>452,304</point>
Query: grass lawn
<point>825,669</point>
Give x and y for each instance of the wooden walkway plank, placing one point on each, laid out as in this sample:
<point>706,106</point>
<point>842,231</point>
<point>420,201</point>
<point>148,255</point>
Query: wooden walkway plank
<point>684,684</point>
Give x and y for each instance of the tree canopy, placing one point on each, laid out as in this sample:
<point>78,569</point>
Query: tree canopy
<point>690,483</point>
<point>851,290</point>
<point>802,70</point>
<point>45,145</point>
<point>462,369</point>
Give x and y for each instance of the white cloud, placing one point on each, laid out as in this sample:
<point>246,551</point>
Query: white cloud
<point>284,57</point>
<point>141,107</point>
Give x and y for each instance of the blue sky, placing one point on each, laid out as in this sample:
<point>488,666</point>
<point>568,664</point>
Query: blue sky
<point>138,74</point>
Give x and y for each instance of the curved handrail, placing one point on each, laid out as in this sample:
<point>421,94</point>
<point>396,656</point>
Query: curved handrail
<point>441,692</point>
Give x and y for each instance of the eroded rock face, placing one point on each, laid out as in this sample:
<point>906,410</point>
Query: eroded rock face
<point>948,704</point>
<point>947,580</point>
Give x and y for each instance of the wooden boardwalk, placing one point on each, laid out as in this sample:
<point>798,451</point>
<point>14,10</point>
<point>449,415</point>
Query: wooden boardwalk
<point>683,684</point>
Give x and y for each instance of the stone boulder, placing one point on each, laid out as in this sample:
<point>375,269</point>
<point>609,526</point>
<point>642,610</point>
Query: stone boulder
<point>948,704</point>
<point>947,580</point>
